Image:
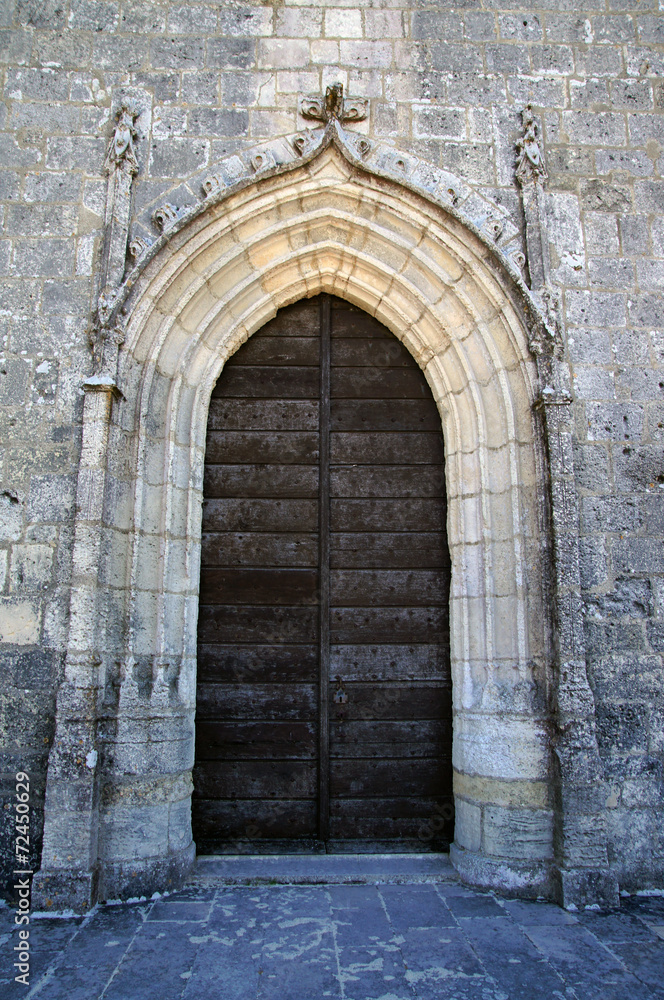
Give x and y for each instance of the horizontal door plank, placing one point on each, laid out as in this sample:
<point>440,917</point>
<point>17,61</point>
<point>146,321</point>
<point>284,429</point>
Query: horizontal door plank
<point>387,514</point>
<point>243,514</point>
<point>358,778</point>
<point>378,352</point>
<point>387,662</point>
<point>252,819</point>
<point>259,586</point>
<point>398,732</point>
<point>407,701</point>
<point>386,481</point>
<point>348,321</point>
<point>255,740</point>
<point>409,625</point>
<point>383,415</point>
<point>256,664</point>
<point>384,587</point>
<point>259,382</point>
<point>263,415</point>
<point>384,447</point>
<point>244,623</point>
<point>259,548</point>
<point>388,549</point>
<point>277,350</point>
<point>226,702</point>
<point>301,319</point>
<point>268,481</point>
<point>378,383</point>
<point>378,823</point>
<point>342,749</point>
<point>255,779</point>
<point>282,447</point>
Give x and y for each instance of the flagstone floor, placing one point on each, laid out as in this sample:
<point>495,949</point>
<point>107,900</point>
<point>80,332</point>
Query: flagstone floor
<point>406,934</point>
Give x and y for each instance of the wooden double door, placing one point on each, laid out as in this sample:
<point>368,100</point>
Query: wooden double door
<point>324,694</point>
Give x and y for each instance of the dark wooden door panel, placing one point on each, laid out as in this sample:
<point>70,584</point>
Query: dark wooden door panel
<point>228,623</point>
<point>400,587</point>
<point>396,514</point>
<point>255,740</point>
<point>324,593</point>
<point>384,447</point>
<point>244,514</point>
<point>285,447</point>
<point>259,481</point>
<point>235,663</point>
<point>240,824</point>
<point>259,548</point>
<point>251,701</point>
<point>268,381</point>
<point>383,415</point>
<point>260,586</point>
<point>263,415</point>
<point>384,662</point>
<point>385,481</point>
<point>391,625</point>
<point>422,549</point>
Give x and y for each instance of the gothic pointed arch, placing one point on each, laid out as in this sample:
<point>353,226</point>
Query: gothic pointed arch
<point>307,214</point>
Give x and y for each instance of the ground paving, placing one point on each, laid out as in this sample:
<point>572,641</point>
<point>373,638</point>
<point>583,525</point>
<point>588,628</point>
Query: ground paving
<point>347,929</point>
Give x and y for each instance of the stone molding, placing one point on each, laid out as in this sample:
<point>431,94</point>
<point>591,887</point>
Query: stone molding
<point>487,220</point>
<point>300,216</point>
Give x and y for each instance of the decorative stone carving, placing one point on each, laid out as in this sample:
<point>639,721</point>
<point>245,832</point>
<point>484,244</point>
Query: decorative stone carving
<point>530,167</point>
<point>138,246</point>
<point>494,227</point>
<point>261,161</point>
<point>121,165</point>
<point>531,176</point>
<point>334,107</point>
<point>106,342</point>
<point>165,217</point>
<point>121,153</point>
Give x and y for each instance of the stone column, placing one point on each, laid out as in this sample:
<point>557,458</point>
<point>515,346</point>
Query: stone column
<point>581,874</point>
<point>68,876</point>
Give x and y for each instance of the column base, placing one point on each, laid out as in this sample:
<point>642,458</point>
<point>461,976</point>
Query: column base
<point>58,889</point>
<point>576,888</point>
<point>524,879</point>
<point>145,876</point>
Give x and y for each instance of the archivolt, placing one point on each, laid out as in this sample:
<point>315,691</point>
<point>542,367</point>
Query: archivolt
<point>329,226</point>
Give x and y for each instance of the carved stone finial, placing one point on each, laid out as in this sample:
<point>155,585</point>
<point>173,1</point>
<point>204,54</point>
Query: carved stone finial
<point>530,166</point>
<point>121,153</point>
<point>334,107</point>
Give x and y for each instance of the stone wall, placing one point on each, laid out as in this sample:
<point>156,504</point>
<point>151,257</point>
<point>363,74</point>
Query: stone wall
<point>445,82</point>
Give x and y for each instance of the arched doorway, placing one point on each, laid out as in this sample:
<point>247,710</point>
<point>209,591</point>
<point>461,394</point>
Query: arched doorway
<point>324,710</point>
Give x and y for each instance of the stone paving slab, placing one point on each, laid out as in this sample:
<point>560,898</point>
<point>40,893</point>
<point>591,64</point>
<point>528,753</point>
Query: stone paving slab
<point>424,940</point>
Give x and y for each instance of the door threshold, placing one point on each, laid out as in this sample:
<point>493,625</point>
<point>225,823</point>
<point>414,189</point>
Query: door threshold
<point>321,869</point>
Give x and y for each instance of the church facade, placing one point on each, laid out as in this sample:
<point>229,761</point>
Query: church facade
<point>332,394</point>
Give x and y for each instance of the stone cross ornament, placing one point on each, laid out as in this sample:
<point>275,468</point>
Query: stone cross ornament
<point>530,166</point>
<point>334,107</point>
